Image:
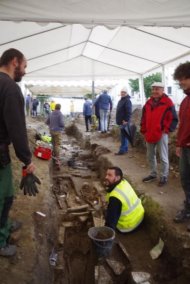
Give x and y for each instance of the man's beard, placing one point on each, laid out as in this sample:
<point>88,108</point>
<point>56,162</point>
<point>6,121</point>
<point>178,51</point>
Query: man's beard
<point>18,74</point>
<point>108,183</point>
<point>110,186</point>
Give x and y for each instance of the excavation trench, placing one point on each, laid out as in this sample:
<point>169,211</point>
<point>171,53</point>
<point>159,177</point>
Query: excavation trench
<point>78,193</point>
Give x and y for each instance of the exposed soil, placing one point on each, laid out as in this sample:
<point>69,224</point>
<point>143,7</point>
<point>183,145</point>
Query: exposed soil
<point>67,232</point>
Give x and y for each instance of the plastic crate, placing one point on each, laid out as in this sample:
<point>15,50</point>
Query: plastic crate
<point>43,153</point>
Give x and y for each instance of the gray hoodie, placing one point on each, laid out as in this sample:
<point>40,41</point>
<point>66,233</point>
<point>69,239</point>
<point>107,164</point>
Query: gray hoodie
<point>55,121</point>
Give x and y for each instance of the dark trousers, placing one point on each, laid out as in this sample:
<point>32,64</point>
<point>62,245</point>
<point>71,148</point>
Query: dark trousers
<point>88,120</point>
<point>184,167</point>
<point>99,125</point>
<point>34,111</point>
<point>6,200</point>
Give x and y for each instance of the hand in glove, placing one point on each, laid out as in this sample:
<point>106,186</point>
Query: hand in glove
<point>28,184</point>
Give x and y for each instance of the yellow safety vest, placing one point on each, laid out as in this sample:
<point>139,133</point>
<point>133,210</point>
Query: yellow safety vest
<point>52,106</point>
<point>132,211</point>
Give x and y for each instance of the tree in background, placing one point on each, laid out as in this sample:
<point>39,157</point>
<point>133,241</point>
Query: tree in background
<point>42,99</point>
<point>90,96</point>
<point>148,81</point>
<point>134,85</point>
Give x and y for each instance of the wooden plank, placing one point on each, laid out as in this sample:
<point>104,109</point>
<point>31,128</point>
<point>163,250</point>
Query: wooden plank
<point>78,208</point>
<point>61,235</point>
<point>116,266</point>
<point>79,213</point>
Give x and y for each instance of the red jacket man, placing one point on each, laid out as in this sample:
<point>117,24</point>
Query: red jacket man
<point>158,119</point>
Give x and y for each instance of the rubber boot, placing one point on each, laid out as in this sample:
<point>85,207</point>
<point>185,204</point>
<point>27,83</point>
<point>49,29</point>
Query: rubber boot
<point>183,214</point>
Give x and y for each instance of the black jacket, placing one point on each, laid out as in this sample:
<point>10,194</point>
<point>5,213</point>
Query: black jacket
<point>12,118</point>
<point>124,110</point>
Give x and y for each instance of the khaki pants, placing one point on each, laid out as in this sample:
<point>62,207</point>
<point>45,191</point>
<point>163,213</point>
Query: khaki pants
<point>56,142</point>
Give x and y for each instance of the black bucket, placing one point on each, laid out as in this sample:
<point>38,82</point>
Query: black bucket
<point>102,238</point>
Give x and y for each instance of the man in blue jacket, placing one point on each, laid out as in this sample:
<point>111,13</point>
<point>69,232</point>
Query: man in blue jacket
<point>87,112</point>
<point>123,116</point>
<point>105,105</point>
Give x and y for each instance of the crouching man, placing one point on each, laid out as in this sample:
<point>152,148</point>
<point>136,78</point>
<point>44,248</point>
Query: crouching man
<point>125,211</point>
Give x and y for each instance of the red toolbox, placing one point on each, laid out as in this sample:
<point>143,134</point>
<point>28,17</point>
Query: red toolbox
<point>42,152</point>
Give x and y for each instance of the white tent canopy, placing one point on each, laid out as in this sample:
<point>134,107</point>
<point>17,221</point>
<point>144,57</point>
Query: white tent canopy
<point>72,39</point>
<point>99,12</point>
<point>67,91</point>
<point>57,52</point>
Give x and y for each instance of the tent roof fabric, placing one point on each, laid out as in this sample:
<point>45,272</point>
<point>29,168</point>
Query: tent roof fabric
<point>66,91</point>
<point>107,39</point>
<point>98,12</point>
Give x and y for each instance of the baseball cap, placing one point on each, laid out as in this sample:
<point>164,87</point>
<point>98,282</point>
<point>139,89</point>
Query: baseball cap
<point>124,90</point>
<point>158,84</point>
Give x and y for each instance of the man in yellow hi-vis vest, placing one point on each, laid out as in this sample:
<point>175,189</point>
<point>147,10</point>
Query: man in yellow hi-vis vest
<point>125,211</point>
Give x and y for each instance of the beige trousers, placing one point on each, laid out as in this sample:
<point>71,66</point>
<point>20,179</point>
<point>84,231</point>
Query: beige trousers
<point>56,142</point>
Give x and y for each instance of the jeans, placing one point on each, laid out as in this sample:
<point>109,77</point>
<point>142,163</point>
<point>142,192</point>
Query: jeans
<point>124,142</point>
<point>184,167</point>
<point>34,112</point>
<point>104,119</point>
<point>162,146</point>
<point>27,110</point>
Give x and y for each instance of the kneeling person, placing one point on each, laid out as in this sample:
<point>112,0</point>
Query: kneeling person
<point>125,211</point>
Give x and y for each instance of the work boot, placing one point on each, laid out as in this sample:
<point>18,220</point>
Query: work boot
<point>15,226</point>
<point>182,215</point>
<point>121,153</point>
<point>162,181</point>
<point>149,178</point>
<point>8,250</point>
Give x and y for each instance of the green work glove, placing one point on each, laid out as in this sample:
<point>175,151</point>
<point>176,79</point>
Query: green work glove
<point>28,184</point>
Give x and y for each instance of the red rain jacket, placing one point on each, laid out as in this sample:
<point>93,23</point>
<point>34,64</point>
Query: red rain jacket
<point>183,135</point>
<point>158,118</point>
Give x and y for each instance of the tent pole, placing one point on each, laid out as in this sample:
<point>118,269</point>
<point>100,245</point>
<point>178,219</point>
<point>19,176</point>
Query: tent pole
<point>93,93</point>
<point>164,78</point>
<point>163,74</point>
<point>93,97</point>
<point>141,89</point>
